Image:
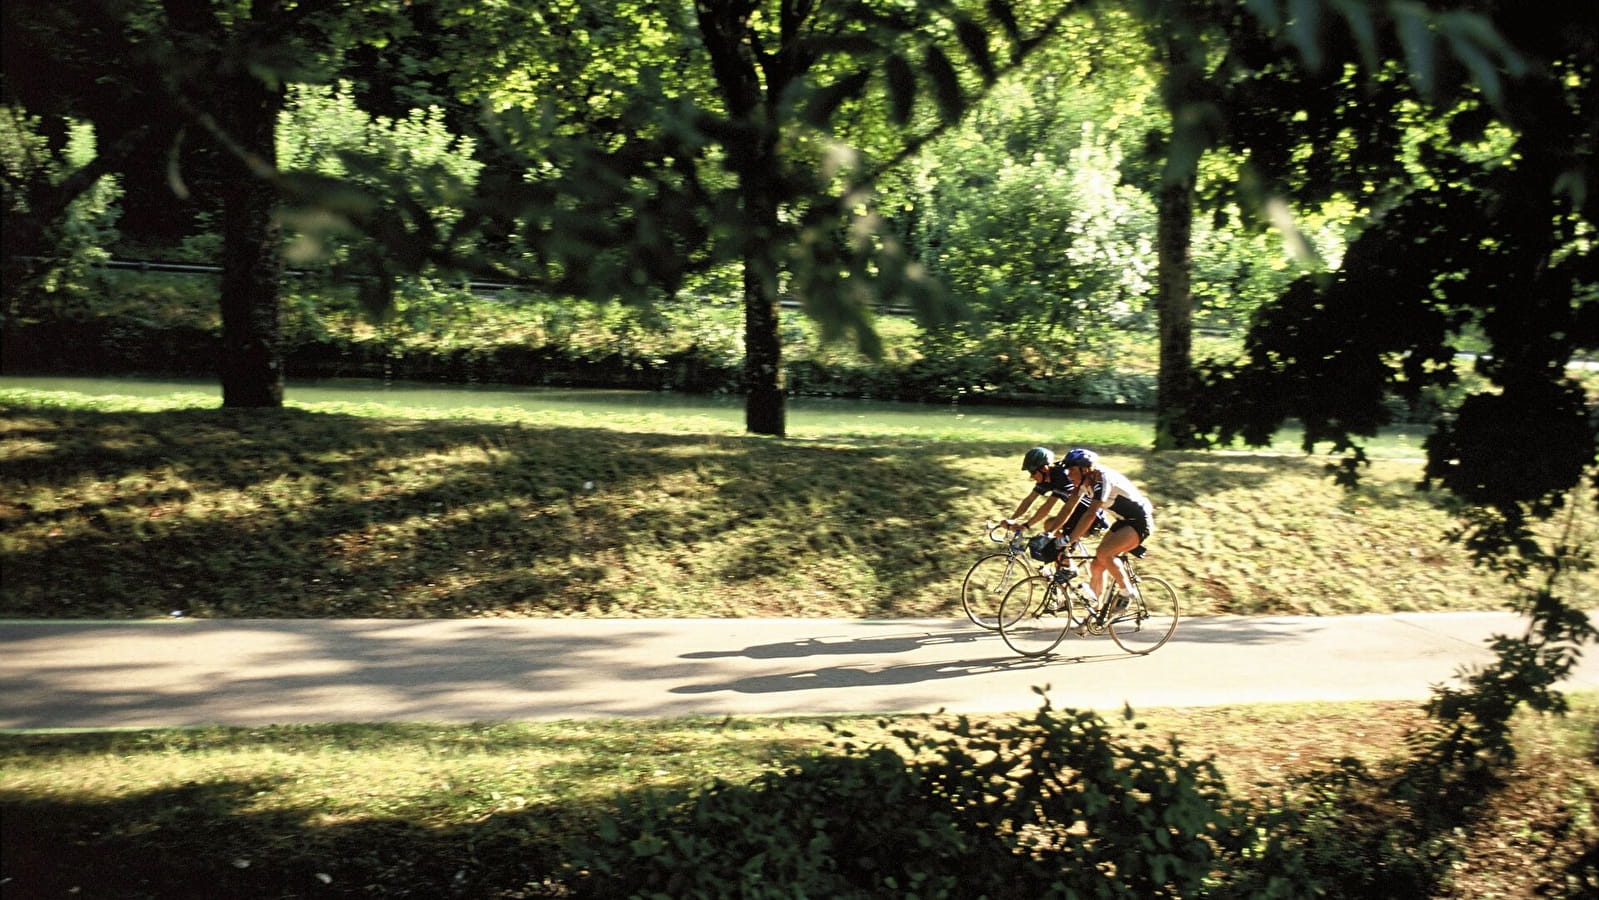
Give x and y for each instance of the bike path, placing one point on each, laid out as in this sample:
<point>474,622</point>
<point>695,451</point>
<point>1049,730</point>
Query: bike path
<point>84,675</point>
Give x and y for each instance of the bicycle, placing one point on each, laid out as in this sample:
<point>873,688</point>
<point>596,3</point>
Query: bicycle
<point>989,578</point>
<point>1037,612</point>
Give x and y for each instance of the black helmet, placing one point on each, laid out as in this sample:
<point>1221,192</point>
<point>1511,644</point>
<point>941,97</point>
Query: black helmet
<point>1037,458</point>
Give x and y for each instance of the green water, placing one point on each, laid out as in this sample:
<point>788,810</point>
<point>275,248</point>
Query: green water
<point>807,416</point>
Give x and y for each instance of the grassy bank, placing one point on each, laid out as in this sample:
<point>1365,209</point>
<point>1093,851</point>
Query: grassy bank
<point>137,507</point>
<point>486,810</point>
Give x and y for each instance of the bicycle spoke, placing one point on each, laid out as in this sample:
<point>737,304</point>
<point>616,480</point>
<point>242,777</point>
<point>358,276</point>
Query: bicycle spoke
<point>1034,616</point>
<point>985,585</point>
<point>1149,621</point>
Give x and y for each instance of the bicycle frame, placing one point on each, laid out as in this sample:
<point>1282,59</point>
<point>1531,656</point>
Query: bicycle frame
<point>1098,620</point>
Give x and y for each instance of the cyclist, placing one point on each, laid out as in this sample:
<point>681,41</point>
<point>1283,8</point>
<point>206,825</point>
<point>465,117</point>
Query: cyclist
<point>1052,481</point>
<point>1108,489</point>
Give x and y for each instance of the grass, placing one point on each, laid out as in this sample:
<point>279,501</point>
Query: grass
<point>486,810</point>
<point>138,507</point>
<point>125,507</point>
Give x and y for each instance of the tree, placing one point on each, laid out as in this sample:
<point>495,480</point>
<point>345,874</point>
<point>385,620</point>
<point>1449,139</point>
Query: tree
<point>743,161</point>
<point>50,64</point>
<point>761,57</point>
<point>1487,237</point>
<point>241,110</point>
<point>206,70</point>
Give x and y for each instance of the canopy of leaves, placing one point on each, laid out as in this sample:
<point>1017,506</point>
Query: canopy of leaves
<point>1463,243</point>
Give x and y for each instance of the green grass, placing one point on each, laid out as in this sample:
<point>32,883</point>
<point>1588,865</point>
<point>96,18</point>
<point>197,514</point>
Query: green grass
<point>127,507</point>
<point>487,810</point>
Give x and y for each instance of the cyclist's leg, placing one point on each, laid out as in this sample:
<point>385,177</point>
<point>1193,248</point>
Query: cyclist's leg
<point>1121,538</point>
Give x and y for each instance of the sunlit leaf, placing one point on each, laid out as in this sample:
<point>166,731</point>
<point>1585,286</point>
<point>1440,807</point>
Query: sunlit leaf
<point>975,40</point>
<point>175,182</point>
<point>1417,38</point>
<point>901,88</point>
<point>946,84</point>
<point>1304,30</point>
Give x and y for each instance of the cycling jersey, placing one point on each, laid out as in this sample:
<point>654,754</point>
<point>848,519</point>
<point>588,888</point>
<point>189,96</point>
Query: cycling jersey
<point>1058,481</point>
<point>1115,492</point>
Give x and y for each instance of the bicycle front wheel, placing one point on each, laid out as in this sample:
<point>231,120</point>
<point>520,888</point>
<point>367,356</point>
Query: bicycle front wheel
<point>1034,616</point>
<point>986,583</point>
<point>1149,621</point>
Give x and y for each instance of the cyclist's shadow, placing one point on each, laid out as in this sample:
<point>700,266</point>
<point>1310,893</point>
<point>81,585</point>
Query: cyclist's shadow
<point>849,676</point>
<point>847,647</point>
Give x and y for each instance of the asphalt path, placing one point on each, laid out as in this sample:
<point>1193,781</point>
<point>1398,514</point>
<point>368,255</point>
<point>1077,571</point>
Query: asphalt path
<point>88,675</point>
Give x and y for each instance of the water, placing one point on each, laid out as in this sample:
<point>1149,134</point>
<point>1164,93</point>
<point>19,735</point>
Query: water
<point>806,416</point>
<point>803,412</point>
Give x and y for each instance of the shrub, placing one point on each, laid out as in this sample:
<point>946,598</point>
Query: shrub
<point>1048,806</point>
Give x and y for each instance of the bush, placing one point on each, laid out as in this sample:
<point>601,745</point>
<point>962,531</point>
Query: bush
<point>1049,806</point>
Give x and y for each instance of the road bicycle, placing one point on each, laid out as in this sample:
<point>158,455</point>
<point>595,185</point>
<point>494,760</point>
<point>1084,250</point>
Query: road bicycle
<point>1039,611</point>
<point>989,578</point>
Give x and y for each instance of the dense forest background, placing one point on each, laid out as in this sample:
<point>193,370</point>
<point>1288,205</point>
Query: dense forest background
<point>1035,208</point>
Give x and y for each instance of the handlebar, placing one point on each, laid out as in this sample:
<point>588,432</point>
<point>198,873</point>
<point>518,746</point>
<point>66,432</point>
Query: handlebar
<point>1000,533</point>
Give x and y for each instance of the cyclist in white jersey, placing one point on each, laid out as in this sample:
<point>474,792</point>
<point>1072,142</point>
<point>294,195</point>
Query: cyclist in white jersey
<point>1135,518</point>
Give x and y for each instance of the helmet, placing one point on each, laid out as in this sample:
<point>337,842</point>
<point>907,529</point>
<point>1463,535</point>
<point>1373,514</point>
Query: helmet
<point>1037,458</point>
<point>1080,458</point>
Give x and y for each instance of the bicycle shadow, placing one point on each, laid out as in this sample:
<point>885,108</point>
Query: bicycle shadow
<point>838,677</point>
<point>850,647</point>
<point>846,676</point>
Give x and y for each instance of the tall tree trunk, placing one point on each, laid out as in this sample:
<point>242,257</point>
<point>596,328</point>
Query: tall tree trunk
<point>763,345</point>
<point>1181,91</point>
<point>725,28</point>
<point>1175,306</point>
<point>251,366</point>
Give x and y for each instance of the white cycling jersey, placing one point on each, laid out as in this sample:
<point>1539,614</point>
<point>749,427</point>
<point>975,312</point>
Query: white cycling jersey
<point>1115,492</point>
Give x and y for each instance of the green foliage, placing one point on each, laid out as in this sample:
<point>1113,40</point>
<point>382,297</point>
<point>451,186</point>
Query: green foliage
<point>1051,806</point>
<point>50,264</point>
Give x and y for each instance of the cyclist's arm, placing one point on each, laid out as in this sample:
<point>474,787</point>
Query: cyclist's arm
<point>1043,511</point>
<point>1086,520</point>
<point>1022,507</point>
<point>1053,526</point>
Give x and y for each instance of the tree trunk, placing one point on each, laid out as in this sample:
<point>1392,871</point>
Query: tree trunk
<point>763,344</point>
<point>725,26</point>
<point>1174,303</point>
<point>251,366</point>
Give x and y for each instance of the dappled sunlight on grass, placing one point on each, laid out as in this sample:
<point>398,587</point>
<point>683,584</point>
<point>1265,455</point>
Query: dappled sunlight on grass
<point>298,513</point>
<point>386,808</point>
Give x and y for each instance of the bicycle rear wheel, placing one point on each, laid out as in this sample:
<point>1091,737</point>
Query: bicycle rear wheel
<point>1034,616</point>
<point>986,583</point>
<point>1149,621</point>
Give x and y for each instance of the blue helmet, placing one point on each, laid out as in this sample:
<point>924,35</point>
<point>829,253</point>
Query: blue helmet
<point>1037,458</point>
<point>1080,458</point>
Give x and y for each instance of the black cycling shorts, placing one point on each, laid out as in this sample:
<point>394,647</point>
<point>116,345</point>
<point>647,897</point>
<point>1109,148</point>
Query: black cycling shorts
<point>1144,525</point>
<point>1095,527</point>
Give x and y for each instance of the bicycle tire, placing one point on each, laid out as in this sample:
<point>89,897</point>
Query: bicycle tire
<point>1027,622</point>
<point>983,589</point>
<point>1149,622</point>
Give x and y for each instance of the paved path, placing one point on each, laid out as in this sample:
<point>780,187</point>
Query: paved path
<point>57,675</point>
